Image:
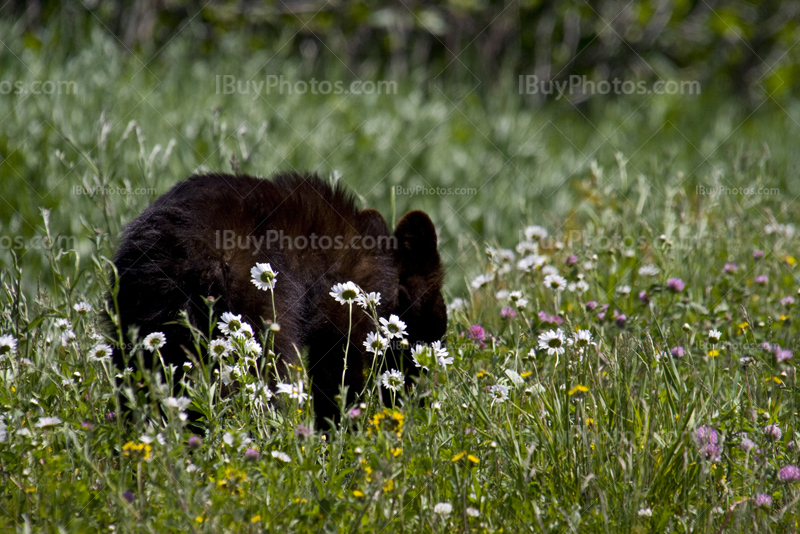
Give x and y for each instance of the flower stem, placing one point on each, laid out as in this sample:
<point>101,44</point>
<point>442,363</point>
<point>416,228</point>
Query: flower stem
<point>274,320</point>
<point>346,349</point>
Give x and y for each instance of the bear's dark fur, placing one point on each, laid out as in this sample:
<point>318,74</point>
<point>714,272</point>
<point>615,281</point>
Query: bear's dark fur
<point>179,250</point>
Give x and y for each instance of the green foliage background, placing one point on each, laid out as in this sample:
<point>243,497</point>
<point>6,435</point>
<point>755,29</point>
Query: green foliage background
<point>619,181</point>
<point>450,125</point>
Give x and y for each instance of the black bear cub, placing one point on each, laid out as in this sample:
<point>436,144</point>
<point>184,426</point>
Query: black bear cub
<point>203,237</point>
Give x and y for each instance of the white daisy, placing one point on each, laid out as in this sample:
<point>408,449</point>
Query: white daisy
<point>481,280</point>
<point>345,293</point>
<point>154,341</point>
<point>535,232</point>
<point>555,282</point>
<point>714,335</point>
<point>282,456</point>
<point>456,304</point>
<point>281,387</point>
<point>582,339</point>
<point>581,287</point>
<point>219,348</point>
<point>245,331</point>
<point>180,404</point>
<point>438,350</point>
<point>393,328</point>
<point>502,294</point>
<point>444,361</point>
<point>262,276</point>
<point>421,354</point>
<point>549,269</point>
<point>375,343</point>
<point>505,255</point>
<point>295,391</point>
<point>648,270</point>
<point>473,512</point>
<point>8,345</point>
<point>552,341</point>
<point>624,290</point>
<point>367,300</point>
<point>443,357</point>
<point>82,307</point>
<point>527,247</point>
<point>48,421</point>
<point>228,373</point>
<point>393,380</point>
<point>499,393</point>
<point>531,262</point>
<point>229,323</point>
<point>444,509</point>
<point>67,337</point>
<point>62,324</point>
<point>252,348</point>
<point>101,351</point>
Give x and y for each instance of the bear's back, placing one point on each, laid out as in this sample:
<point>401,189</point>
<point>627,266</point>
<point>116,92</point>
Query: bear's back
<point>202,238</point>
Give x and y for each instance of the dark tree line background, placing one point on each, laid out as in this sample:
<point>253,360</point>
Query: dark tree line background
<point>742,47</point>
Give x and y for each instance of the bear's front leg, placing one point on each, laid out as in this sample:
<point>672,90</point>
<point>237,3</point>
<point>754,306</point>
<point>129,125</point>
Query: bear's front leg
<point>326,358</point>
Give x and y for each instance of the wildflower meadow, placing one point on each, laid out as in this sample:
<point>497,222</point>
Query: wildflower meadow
<point>622,291</point>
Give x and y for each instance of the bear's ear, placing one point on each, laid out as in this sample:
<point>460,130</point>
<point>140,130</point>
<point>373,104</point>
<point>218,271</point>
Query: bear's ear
<point>371,222</point>
<point>416,252</point>
<point>421,277</point>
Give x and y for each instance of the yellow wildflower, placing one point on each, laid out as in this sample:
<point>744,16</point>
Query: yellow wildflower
<point>393,421</point>
<point>137,450</point>
<point>576,389</point>
<point>742,327</point>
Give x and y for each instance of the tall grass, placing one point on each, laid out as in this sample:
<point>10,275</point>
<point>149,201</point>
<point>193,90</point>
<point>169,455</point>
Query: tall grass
<point>142,123</point>
<point>507,438</point>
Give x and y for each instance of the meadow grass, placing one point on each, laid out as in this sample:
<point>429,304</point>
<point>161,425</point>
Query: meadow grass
<point>654,426</point>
